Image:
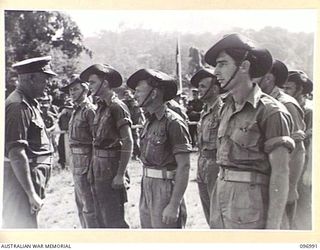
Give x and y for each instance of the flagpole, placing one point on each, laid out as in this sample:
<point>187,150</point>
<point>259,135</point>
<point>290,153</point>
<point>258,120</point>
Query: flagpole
<point>178,66</point>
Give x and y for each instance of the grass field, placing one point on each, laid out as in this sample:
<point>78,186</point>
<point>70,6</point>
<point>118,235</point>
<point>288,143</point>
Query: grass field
<point>60,212</point>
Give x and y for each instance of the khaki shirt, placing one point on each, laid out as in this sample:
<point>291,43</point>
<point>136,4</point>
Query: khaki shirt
<point>247,135</point>
<point>164,135</point>
<point>110,117</point>
<point>208,126</point>
<point>24,126</point>
<point>81,124</point>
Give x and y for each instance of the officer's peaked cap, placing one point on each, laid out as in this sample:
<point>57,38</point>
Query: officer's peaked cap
<point>35,65</point>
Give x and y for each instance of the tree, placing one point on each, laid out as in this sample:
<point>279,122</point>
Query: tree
<point>37,33</point>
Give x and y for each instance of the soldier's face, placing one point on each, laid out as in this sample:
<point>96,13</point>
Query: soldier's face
<point>224,70</point>
<point>204,85</point>
<point>95,85</point>
<point>290,88</point>
<point>76,91</point>
<point>142,92</point>
<point>266,83</point>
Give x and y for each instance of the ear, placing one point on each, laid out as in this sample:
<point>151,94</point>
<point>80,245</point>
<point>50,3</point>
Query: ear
<point>245,66</point>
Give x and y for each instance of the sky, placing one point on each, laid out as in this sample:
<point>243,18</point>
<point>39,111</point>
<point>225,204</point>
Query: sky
<point>91,22</point>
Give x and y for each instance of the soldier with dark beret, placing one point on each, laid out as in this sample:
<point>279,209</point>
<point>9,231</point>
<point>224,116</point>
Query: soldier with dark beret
<point>112,145</point>
<point>28,150</point>
<point>80,141</point>
<point>209,89</point>
<point>271,83</point>
<point>165,152</point>
<point>300,87</point>
<point>254,141</point>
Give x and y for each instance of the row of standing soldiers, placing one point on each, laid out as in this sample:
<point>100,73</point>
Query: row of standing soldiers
<point>253,142</point>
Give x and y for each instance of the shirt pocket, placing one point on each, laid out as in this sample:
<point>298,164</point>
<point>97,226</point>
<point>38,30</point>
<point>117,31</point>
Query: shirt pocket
<point>155,148</point>
<point>81,131</point>
<point>37,133</point>
<point>245,142</point>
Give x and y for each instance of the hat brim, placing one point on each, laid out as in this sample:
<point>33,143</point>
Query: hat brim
<point>112,76</point>
<point>198,76</point>
<point>50,72</point>
<point>260,59</point>
<point>169,88</point>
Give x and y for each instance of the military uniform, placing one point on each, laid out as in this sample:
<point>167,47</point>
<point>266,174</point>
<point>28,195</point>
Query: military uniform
<point>248,133</point>
<point>164,135</point>
<point>106,154</point>
<point>208,168</point>
<point>137,118</point>
<point>24,127</point>
<point>245,137</point>
<point>111,116</point>
<point>194,109</point>
<point>80,141</point>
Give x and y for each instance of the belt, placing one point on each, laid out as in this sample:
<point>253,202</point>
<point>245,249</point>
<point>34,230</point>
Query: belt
<point>80,150</point>
<point>208,153</point>
<point>243,176</point>
<point>43,159</point>
<point>104,153</point>
<point>158,173</point>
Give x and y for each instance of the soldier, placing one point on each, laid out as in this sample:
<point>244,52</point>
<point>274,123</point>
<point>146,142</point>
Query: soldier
<point>194,108</point>
<point>138,120</point>
<point>300,87</point>
<point>208,170</point>
<point>112,145</point>
<point>270,84</point>
<point>28,151</point>
<point>253,141</point>
<point>80,140</point>
<point>165,152</point>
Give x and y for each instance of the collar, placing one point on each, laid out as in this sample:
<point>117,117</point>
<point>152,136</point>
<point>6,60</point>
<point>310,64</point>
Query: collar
<point>160,112</point>
<point>108,101</point>
<point>275,92</point>
<point>82,104</point>
<point>211,107</point>
<point>253,97</point>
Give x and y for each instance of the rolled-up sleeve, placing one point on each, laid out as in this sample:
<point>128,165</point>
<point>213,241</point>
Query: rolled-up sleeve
<point>121,115</point>
<point>278,132</point>
<point>17,121</point>
<point>179,137</point>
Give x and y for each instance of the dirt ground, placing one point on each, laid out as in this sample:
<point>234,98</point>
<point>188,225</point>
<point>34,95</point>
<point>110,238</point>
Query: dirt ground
<point>59,211</point>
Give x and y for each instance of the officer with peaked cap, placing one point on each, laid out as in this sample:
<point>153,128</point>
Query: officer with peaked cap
<point>28,150</point>
<point>209,89</point>
<point>165,152</point>
<point>253,141</point>
<point>112,145</point>
<point>271,83</point>
<point>300,87</point>
<point>80,140</point>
